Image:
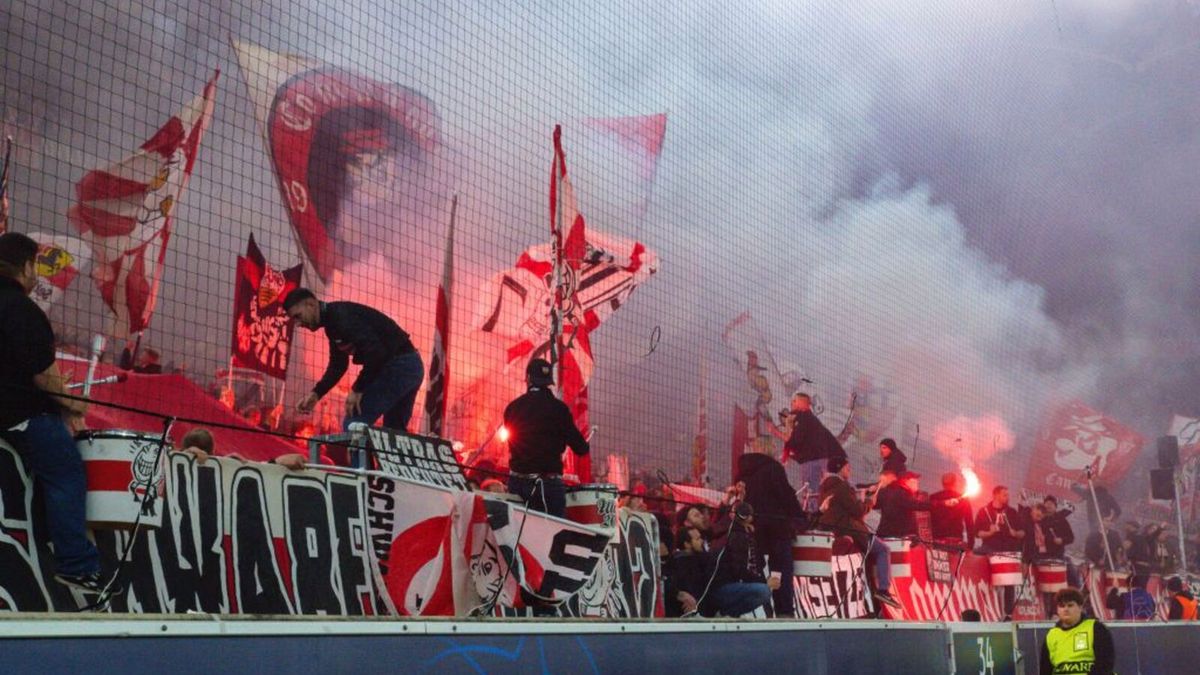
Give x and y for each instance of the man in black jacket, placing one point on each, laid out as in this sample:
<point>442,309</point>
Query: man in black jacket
<point>37,420</point>
<point>810,444</point>
<point>898,504</point>
<point>391,372</point>
<point>686,573</point>
<point>774,501</point>
<point>540,428</point>
<point>950,512</point>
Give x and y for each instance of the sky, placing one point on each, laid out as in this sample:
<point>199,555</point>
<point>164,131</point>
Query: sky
<point>986,207</point>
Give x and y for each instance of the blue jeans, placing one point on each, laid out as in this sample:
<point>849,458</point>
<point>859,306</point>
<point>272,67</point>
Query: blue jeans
<point>812,472</point>
<point>49,451</point>
<point>738,598</point>
<point>549,497</point>
<point>881,559</point>
<point>391,394</point>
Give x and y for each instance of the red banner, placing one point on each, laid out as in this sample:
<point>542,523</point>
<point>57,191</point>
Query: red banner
<point>1074,438</point>
<point>262,333</point>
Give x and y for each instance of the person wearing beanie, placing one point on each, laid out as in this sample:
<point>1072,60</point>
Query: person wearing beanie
<point>38,421</point>
<point>540,427</point>
<point>894,459</point>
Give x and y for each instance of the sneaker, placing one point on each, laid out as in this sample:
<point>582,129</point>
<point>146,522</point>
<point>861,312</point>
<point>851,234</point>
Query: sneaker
<point>887,599</point>
<point>87,583</point>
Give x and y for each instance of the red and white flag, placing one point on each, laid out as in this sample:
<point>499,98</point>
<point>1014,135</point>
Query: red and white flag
<point>124,211</point>
<point>1074,438</point>
<point>60,259</point>
<point>439,364</point>
<point>332,132</point>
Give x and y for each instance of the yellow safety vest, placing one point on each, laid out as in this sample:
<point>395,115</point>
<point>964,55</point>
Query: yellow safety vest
<point>1072,650</point>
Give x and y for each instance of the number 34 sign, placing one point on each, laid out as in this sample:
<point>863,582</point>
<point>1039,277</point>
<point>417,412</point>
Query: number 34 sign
<point>983,652</point>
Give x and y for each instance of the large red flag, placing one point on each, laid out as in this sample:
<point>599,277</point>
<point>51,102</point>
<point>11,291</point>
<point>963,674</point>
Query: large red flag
<point>330,131</point>
<point>124,211</point>
<point>1073,438</point>
<point>262,332</point>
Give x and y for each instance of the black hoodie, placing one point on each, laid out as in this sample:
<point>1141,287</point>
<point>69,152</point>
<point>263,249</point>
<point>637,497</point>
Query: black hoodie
<point>773,498</point>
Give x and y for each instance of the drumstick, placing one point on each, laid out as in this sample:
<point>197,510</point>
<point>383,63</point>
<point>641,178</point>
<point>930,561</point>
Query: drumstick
<point>98,342</point>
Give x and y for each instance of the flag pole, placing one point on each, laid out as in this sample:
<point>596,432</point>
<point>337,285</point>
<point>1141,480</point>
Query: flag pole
<point>4,192</point>
<point>556,242</point>
<point>435,410</point>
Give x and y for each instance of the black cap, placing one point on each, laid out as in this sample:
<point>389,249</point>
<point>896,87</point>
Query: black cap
<point>539,372</point>
<point>835,464</point>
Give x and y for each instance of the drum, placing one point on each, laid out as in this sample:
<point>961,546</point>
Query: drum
<point>898,551</point>
<point>1117,580</point>
<point>592,504</point>
<point>1006,569</point>
<point>1050,575</point>
<point>120,465</point>
<point>812,554</point>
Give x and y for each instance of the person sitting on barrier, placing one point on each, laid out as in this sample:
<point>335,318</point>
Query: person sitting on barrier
<point>998,526</point>
<point>540,428</point>
<point>1183,606</point>
<point>38,420</point>
<point>842,514</point>
<point>391,372</point>
<point>767,490</point>
<point>894,459</point>
<point>950,512</point>
<point>1076,644</point>
<point>898,504</point>
<point>738,585</point>
<point>687,573</point>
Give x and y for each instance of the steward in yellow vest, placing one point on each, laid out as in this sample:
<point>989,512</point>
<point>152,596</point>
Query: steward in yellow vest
<point>1076,644</point>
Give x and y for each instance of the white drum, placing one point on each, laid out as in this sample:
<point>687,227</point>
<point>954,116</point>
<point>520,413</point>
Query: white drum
<point>120,466</point>
<point>812,554</point>
<point>593,504</point>
<point>1050,575</point>
<point>1006,569</point>
<point>898,552</point>
<point>1117,580</point>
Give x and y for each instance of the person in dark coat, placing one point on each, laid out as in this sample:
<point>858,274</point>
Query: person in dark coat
<point>842,514</point>
<point>950,513</point>
<point>738,585</point>
<point>898,504</point>
<point>767,490</point>
<point>810,444</point>
<point>894,459</point>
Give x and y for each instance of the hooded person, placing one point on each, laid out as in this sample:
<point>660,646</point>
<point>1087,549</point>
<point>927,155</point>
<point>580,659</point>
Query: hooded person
<point>894,459</point>
<point>774,500</point>
<point>1182,602</point>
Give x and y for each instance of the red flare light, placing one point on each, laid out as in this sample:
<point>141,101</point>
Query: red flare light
<point>973,485</point>
<point>502,434</point>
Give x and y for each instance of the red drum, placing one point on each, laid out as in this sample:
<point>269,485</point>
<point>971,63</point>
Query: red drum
<point>1050,575</point>
<point>812,554</point>
<point>898,552</point>
<point>1117,580</point>
<point>120,465</point>
<point>1006,569</point>
<point>592,504</point>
